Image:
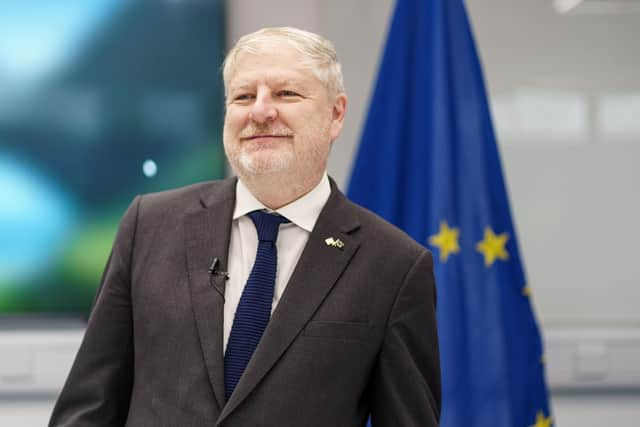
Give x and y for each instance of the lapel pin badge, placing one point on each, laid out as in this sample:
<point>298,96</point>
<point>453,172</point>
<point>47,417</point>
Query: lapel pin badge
<point>336,243</point>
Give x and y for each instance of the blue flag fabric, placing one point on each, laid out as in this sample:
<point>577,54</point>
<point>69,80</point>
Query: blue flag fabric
<point>428,162</point>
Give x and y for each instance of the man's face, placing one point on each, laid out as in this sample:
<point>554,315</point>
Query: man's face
<point>280,117</point>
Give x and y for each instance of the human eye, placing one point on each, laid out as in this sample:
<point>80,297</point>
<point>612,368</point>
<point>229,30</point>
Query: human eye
<point>243,97</point>
<point>285,93</point>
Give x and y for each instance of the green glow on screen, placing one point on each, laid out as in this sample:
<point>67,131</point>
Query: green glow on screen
<point>89,91</point>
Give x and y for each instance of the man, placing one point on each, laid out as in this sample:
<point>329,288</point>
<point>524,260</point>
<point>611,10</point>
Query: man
<point>204,318</point>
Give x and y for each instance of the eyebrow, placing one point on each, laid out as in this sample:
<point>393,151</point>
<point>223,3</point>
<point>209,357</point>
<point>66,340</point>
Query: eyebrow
<point>275,82</point>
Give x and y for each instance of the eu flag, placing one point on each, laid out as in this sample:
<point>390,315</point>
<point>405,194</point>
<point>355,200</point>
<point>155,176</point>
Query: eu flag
<point>428,162</point>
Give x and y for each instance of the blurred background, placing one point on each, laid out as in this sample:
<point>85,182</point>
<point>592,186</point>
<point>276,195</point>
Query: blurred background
<point>101,100</point>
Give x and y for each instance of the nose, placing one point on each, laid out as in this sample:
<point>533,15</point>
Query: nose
<point>263,109</point>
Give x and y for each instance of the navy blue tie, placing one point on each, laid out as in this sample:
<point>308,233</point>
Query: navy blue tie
<point>254,308</point>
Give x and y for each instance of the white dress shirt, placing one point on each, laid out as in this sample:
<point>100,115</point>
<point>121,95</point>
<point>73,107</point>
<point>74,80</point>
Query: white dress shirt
<point>292,238</point>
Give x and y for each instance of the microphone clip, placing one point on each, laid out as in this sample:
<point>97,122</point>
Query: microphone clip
<point>213,270</point>
<point>214,273</point>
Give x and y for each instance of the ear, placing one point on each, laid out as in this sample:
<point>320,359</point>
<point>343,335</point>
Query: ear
<point>338,112</point>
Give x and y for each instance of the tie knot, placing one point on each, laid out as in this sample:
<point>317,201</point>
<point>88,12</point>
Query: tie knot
<point>267,225</point>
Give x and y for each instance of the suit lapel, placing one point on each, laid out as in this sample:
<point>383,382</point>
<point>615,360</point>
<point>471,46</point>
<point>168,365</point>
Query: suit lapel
<point>207,233</point>
<point>318,269</point>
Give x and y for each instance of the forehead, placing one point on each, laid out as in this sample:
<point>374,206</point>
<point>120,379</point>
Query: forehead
<point>282,65</point>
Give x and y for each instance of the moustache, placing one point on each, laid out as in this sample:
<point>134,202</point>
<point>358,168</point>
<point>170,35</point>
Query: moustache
<point>252,131</point>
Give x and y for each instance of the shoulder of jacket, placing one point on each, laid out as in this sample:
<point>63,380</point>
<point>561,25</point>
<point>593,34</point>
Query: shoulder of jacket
<point>188,197</point>
<point>387,235</point>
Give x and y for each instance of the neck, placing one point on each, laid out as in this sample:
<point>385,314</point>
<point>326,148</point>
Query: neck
<point>277,190</point>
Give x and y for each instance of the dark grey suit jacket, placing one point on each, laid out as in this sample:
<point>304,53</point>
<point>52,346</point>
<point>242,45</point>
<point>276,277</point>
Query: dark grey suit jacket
<point>354,332</point>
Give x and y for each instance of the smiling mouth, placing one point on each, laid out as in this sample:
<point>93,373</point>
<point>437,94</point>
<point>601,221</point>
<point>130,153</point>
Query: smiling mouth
<point>266,136</point>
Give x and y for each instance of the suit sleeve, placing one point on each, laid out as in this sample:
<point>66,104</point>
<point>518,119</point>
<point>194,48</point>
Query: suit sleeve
<point>98,389</point>
<point>406,383</point>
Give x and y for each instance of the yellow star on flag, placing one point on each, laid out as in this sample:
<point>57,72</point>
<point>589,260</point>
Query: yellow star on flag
<point>446,240</point>
<point>542,421</point>
<point>492,247</point>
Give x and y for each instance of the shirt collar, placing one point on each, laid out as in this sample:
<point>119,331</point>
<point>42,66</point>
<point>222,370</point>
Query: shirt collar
<point>303,212</point>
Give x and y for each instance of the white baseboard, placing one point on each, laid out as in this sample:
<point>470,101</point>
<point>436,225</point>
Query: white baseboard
<point>593,358</point>
<point>38,361</point>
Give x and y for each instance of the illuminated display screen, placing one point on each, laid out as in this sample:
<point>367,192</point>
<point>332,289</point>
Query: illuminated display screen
<point>99,101</point>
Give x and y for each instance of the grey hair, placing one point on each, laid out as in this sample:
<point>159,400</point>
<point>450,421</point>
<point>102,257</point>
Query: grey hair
<point>318,54</point>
